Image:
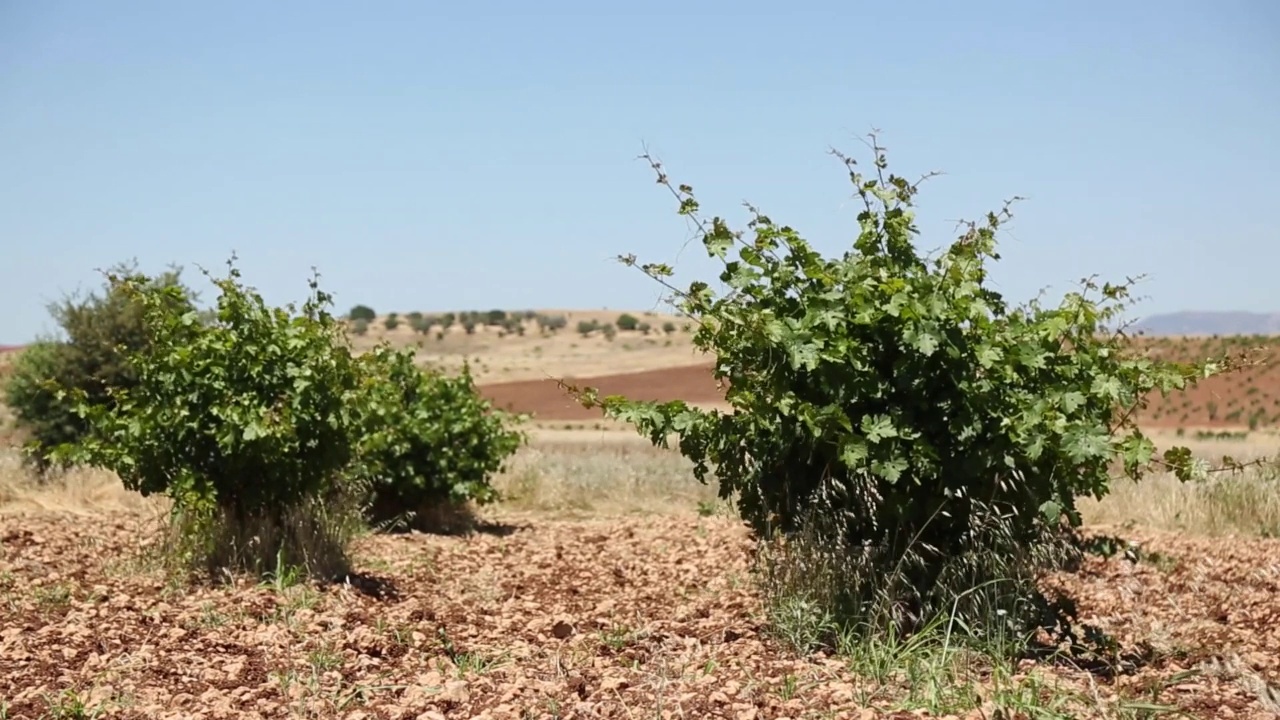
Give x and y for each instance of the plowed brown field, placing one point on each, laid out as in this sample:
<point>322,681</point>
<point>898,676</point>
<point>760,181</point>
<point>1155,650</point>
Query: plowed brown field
<point>615,618</point>
<point>547,401</point>
<point>1234,400</point>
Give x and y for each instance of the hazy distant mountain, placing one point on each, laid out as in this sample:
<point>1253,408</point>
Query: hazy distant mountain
<point>1192,322</point>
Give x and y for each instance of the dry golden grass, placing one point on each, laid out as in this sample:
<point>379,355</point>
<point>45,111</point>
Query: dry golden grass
<point>574,475</point>
<point>78,491</point>
<point>585,472</point>
<point>1244,504</point>
<point>567,473</point>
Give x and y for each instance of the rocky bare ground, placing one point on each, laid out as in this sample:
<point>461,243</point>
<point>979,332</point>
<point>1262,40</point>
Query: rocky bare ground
<point>616,618</point>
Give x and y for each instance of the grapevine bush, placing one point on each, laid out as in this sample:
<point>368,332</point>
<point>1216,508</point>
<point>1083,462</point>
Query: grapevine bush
<point>920,435</point>
<point>427,442</point>
<point>274,443</point>
<point>244,423</point>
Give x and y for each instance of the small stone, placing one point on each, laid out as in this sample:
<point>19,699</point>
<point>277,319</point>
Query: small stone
<point>455,691</point>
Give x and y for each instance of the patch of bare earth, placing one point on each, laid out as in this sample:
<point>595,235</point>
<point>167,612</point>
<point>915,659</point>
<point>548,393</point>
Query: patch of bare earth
<point>1204,611</point>
<point>546,400</point>
<point>539,618</point>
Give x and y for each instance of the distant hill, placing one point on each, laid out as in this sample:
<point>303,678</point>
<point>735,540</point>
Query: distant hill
<point>1192,322</point>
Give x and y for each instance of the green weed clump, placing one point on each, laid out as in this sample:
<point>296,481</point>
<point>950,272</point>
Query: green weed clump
<point>906,444</point>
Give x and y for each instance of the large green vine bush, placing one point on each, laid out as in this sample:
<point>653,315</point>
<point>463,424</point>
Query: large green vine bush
<point>922,437</point>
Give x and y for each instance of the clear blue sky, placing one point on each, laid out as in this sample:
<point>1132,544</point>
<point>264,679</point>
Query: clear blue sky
<point>474,155</point>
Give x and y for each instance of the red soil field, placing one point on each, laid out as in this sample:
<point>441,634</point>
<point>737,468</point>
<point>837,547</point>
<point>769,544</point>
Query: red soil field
<point>546,400</point>
<point>1249,397</point>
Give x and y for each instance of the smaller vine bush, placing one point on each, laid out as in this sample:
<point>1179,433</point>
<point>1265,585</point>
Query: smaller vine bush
<point>427,442</point>
<point>273,441</point>
<point>242,420</point>
<point>922,437</point>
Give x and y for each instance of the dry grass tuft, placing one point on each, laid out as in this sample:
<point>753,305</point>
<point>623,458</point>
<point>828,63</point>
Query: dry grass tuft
<point>1245,503</point>
<point>613,474</point>
<point>80,491</point>
<point>584,472</point>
